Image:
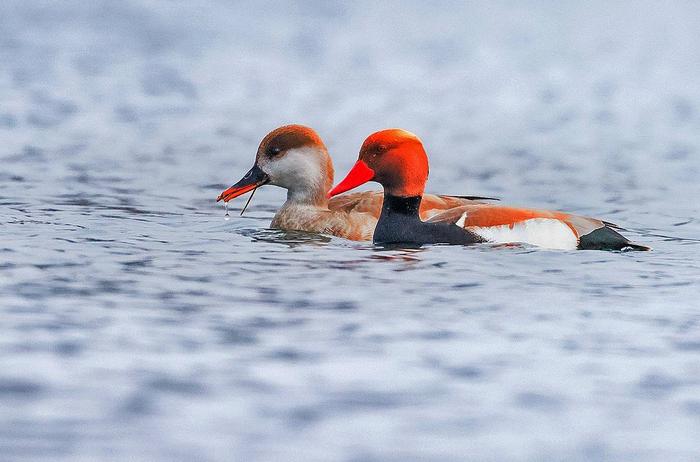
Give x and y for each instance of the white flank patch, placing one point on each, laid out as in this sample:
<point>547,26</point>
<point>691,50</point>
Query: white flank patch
<point>461,220</point>
<point>542,232</point>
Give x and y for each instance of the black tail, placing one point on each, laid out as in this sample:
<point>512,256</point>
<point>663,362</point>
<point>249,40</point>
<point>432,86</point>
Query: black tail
<point>606,238</point>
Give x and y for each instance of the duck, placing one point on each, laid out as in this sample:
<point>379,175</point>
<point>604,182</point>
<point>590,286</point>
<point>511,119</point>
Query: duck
<point>295,158</point>
<point>396,159</point>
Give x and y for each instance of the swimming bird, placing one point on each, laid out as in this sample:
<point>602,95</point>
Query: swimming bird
<point>295,158</point>
<point>397,160</point>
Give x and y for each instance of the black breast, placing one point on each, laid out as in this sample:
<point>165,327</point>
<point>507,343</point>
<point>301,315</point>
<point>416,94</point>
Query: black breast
<point>400,223</point>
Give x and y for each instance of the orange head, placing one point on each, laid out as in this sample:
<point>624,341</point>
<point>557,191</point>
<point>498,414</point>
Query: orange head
<point>394,158</point>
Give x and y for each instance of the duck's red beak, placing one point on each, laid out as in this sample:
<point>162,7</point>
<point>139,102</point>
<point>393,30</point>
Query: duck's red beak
<point>358,175</point>
<point>251,180</point>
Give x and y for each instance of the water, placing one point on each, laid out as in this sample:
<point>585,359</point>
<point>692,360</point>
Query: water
<point>138,324</point>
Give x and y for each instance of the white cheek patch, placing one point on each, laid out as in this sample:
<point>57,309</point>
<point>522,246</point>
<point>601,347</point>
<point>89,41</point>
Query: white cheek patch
<point>297,168</point>
<point>542,232</point>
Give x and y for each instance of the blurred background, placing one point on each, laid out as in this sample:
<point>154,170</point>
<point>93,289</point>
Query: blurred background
<point>137,324</point>
<point>577,82</point>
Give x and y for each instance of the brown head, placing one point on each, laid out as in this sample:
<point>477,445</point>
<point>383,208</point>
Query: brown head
<point>292,157</point>
<point>394,158</point>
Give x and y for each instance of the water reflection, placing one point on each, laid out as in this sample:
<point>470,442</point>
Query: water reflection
<point>291,239</point>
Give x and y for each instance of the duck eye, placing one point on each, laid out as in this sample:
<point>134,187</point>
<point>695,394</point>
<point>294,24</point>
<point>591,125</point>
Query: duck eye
<point>274,151</point>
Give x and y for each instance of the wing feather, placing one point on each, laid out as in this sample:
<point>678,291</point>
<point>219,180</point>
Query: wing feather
<point>371,202</point>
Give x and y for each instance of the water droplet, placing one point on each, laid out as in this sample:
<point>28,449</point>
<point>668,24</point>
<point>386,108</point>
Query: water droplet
<point>226,215</point>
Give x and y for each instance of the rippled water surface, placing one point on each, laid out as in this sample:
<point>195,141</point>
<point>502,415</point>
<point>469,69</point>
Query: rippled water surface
<point>137,324</point>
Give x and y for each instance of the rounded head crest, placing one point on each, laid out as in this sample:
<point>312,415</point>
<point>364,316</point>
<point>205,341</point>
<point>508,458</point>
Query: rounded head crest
<point>398,159</point>
<point>287,137</point>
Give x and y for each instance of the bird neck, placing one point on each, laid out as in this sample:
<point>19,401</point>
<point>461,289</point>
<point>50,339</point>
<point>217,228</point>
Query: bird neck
<point>400,207</point>
<point>316,195</point>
